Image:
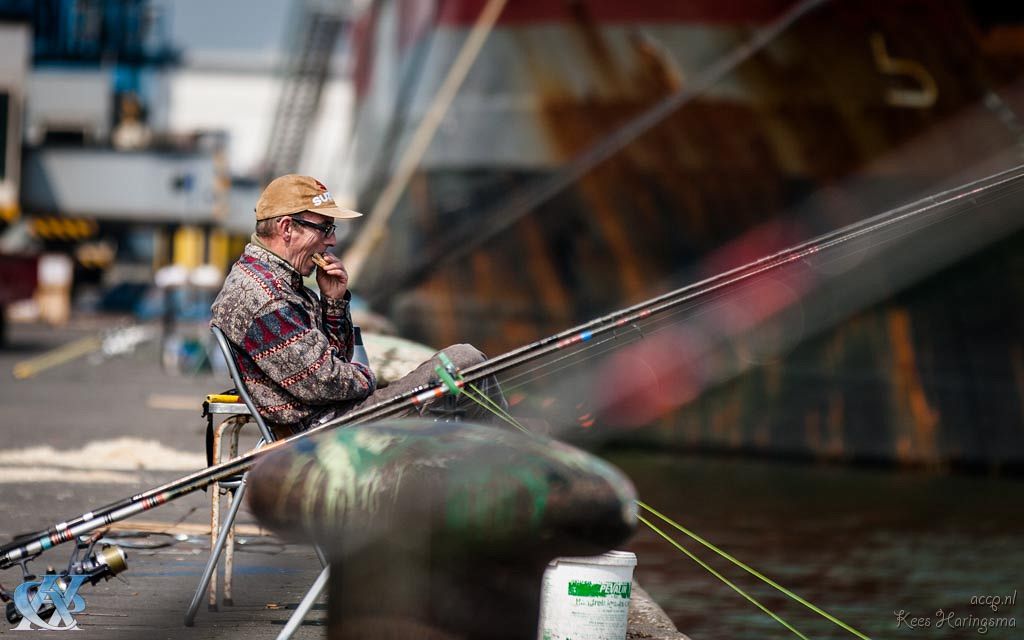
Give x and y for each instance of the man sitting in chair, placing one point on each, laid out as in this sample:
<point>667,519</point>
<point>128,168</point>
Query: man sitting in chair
<point>294,349</point>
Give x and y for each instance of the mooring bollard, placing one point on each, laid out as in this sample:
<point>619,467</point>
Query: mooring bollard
<point>440,529</point>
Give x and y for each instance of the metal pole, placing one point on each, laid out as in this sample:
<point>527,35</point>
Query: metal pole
<point>211,564</point>
<point>307,603</point>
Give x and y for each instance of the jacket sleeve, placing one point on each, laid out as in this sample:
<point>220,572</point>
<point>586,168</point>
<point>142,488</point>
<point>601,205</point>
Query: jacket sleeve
<point>309,364</point>
<point>337,322</point>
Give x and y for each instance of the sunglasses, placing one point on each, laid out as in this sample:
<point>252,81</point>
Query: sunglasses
<point>323,227</point>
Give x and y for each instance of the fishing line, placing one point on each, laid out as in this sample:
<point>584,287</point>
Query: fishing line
<point>803,250</point>
<point>634,332</point>
<point>821,260</point>
<point>660,305</point>
<point>542,371</point>
<point>651,326</point>
<point>754,572</point>
<point>718,575</point>
<point>472,392</point>
<point>999,194</point>
<point>498,410</point>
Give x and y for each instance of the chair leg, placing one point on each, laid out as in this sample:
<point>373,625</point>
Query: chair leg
<point>214,490</point>
<point>305,605</point>
<point>229,564</point>
<point>211,564</point>
<point>229,552</point>
<point>211,604</point>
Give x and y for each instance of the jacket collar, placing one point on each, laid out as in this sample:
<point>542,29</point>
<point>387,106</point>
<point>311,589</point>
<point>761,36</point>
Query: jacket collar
<point>278,265</point>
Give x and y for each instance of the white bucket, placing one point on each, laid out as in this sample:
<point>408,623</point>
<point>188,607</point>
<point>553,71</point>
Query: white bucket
<point>587,598</point>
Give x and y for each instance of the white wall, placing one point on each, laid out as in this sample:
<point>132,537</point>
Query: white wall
<point>14,52</point>
<point>240,103</point>
<point>243,104</point>
<point>327,152</point>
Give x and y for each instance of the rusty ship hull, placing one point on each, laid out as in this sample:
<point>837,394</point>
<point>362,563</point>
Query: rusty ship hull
<point>852,109</point>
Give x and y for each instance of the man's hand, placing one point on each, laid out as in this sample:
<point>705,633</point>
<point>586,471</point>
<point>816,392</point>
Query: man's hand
<point>332,279</point>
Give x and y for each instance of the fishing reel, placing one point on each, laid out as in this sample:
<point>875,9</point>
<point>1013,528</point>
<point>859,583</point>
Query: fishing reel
<point>87,560</point>
<point>446,408</point>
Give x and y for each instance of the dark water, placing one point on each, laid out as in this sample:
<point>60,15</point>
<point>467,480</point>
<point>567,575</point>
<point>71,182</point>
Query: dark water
<point>863,544</point>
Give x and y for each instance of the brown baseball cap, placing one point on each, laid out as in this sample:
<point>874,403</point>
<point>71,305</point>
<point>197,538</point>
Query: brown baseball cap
<point>292,194</point>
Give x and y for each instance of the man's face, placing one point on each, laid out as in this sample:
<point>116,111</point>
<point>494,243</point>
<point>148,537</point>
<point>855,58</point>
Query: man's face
<point>307,240</point>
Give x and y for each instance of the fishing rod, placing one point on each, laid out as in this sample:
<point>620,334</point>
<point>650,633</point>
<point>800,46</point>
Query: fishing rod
<point>972,194</point>
<point>969,193</point>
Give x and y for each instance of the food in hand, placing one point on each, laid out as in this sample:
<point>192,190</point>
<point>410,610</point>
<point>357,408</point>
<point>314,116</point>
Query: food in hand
<point>318,259</point>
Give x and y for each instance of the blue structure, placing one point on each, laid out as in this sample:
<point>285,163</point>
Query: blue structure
<point>129,32</point>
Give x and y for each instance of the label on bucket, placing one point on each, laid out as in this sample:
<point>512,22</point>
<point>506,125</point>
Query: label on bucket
<point>585,602</point>
<point>585,589</point>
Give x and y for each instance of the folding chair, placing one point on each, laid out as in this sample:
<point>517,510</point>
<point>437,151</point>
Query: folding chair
<point>222,531</point>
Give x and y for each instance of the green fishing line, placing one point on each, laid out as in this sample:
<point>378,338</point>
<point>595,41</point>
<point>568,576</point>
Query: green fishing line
<point>721,577</point>
<point>754,572</point>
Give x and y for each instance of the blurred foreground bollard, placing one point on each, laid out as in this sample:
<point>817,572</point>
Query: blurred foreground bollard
<point>439,529</point>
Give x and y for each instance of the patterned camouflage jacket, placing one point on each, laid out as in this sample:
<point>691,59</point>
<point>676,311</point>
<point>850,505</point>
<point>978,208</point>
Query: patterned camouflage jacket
<point>292,351</point>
